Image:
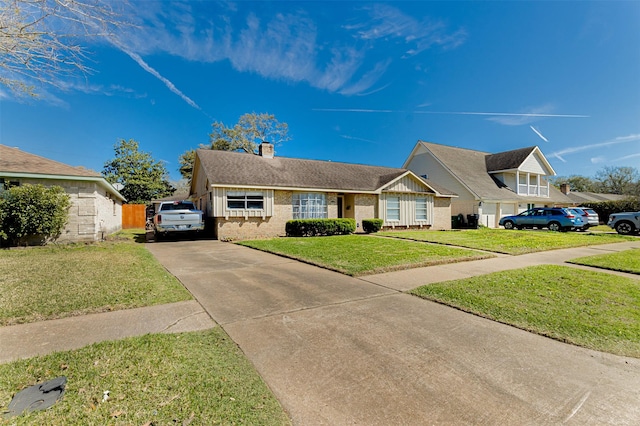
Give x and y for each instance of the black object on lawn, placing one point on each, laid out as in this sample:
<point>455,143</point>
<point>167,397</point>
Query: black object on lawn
<point>37,397</point>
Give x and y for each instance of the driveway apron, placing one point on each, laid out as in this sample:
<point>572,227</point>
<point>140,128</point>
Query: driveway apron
<point>338,350</point>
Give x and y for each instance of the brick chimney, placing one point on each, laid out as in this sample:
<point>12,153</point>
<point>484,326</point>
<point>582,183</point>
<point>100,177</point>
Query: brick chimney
<point>266,150</point>
<point>565,188</point>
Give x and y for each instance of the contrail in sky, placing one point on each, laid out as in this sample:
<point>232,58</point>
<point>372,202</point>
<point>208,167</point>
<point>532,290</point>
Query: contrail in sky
<point>537,132</point>
<point>453,112</point>
<point>156,74</point>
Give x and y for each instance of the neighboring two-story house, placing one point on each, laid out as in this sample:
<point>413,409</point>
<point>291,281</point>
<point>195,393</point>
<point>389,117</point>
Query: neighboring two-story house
<point>488,185</point>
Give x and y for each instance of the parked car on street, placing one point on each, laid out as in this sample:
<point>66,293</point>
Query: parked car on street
<point>589,217</point>
<point>625,223</point>
<point>554,218</point>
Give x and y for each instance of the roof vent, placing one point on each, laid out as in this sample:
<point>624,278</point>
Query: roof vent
<point>424,176</point>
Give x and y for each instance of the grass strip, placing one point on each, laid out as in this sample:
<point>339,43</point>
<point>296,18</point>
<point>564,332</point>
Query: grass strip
<point>623,261</point>
<point>40,283</point>
<point>361,254</point>
<point>199,378</point>
<point>510,241</point>
<point>592,309</point>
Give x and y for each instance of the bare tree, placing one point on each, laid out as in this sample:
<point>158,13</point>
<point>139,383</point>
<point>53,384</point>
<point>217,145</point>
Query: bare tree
<point>40,39</point>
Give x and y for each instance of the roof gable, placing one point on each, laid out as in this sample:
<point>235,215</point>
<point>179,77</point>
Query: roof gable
<point>14,160</point>
<point>224,168</point>
<point>471,168</point>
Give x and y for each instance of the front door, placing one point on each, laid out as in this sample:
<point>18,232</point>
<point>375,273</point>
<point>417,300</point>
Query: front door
<point>340,203</point>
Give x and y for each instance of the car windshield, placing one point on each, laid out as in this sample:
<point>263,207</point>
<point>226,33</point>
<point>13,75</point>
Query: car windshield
<point>178,206</point>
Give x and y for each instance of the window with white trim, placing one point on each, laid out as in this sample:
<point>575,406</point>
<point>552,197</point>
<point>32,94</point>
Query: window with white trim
<point>245,200</point>
<point>393,208</point>
<point>421,208</point>
<point>309,205</point>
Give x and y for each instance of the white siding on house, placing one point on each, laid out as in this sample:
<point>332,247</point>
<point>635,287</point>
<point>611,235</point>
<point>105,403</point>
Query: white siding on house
<point>407,209</point>
<point>407,184</point>
<point>533,164</point>
<point>424,164</point>
<point>219,204</point>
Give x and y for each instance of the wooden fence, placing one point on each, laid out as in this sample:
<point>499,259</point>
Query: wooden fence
<point>134,216</point>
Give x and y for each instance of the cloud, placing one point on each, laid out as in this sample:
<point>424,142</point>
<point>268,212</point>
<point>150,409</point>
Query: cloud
<point>493,114</point>
<point>388,22</point>
<point>528,116</point>
<point>287,44</point>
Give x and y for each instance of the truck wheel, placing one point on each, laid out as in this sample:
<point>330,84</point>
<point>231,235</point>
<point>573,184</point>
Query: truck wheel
<point>625,228</point>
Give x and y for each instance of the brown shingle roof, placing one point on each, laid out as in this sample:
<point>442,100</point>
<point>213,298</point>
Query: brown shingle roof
<point>507,160</point>
<point>16,161</point>
<point>234,168</point>
<point>470,168</point>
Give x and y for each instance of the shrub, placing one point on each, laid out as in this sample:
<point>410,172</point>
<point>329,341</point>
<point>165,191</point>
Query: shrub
<point>371,225</point>
<point>318,227</point>
<point>30,211</point>
<point>605,208</point>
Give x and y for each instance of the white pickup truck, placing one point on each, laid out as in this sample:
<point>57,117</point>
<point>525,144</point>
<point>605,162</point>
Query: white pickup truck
<point>625,223</point>
<point>177,217</point>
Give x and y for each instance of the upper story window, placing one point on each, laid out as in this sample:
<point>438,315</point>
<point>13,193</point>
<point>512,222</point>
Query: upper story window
<point>393,208</point>
<point>245,200</point>
<point>310,205</point>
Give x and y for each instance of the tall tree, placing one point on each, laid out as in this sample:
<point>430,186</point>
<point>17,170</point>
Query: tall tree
<point>618,180</point>
<point>246,135</point>
<point>143,178</point>
<point>576,183</point>
<point>39,38</point>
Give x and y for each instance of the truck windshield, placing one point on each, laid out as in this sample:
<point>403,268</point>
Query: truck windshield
<point>178,206</point>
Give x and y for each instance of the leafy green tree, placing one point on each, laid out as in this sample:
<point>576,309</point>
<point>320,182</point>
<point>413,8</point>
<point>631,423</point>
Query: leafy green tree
<point>618,180</point>
<point>576,183</point>
<point>246,135</point>
<point>143,178</point>
<point>33,211</point>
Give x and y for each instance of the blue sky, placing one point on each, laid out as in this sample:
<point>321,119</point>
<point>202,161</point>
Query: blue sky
<point>356,82</point>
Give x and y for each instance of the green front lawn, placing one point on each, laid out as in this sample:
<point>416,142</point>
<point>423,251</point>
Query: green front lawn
<point>624,261</point>
<point>592,309</point>
<point>199,378</point>
<point>40,283</point>
<point>362,254</point>
<point>510,241</point>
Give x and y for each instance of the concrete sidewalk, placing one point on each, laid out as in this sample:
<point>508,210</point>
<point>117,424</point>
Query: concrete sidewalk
<point>40,338</point>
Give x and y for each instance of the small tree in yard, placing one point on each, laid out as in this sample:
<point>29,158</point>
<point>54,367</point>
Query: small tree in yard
<point>144,179</point>
<point>30,211</point>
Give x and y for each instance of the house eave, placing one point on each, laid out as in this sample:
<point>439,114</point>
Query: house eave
<point>97,179</point>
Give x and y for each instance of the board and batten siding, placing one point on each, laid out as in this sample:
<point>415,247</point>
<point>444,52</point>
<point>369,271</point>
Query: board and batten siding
<point>219,204</point>
<point>407,184</point>
<point>407,209</point>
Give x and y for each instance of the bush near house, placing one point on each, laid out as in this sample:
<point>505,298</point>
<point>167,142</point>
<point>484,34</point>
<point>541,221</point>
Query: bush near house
<point>371,225</point>
<point>605,208</point>
<point>319,227</point>
<point>32,213</point>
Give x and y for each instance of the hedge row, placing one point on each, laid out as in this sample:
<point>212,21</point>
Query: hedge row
<point>318,227</point>
<point>371,225</point>
<point>605,208</point>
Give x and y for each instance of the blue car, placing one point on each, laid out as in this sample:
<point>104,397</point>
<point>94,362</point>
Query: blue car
<point>554,218</point>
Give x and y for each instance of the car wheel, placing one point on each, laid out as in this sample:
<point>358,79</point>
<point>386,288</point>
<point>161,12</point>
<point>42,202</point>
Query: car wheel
<point>625,228</point>
<point>554,226</point>
<point>508,225</point>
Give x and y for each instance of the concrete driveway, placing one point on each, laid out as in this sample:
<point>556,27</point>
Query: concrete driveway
<point>338,350</point>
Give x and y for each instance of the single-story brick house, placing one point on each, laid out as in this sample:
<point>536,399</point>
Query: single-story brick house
<point>253,196</point>
<point>488,185</point>
<point>96,207</point>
